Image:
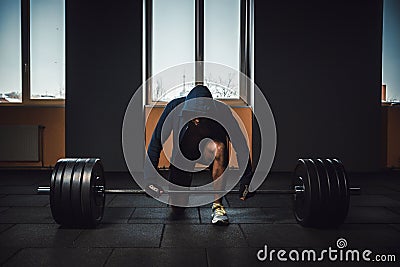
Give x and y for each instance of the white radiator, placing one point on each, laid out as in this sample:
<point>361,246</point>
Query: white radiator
<point>21,143</point>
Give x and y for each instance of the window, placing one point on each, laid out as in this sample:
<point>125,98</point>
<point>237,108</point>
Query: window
<point>32,49</point>
<point>182,31</point>
<point>173,44</point>
<point>222,45</point>
<point>390,51</point>
<point>10,52</point>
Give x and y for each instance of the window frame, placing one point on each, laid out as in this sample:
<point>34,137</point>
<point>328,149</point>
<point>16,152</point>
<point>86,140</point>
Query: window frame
<point>245,58</point>
<point>26,99</point>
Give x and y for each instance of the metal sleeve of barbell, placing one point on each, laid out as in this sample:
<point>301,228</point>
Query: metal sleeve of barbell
<point>355,190</point>
<point>43,190</point>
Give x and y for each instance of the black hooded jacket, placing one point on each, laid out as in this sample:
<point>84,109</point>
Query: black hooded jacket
<point>197,105</point>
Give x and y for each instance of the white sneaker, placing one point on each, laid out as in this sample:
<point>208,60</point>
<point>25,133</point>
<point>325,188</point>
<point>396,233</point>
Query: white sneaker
<point>219,216</point>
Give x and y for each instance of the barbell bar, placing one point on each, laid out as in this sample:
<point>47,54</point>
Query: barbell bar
<point>45,190</point>
<point>77,190</point>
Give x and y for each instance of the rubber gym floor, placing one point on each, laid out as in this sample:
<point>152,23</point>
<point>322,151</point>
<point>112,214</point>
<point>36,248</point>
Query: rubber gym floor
<point>139,231</point>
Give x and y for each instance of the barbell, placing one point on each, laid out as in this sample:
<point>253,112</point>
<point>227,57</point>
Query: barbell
<point>77,192</point>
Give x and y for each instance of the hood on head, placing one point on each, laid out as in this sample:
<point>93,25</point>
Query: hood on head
<point>199,91</point>
<point>195,101</point>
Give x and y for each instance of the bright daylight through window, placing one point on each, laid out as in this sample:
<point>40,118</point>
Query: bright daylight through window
<point>32,50</point>
<point>204,30</point>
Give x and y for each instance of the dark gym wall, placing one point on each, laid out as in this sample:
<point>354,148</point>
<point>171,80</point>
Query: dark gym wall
<point>318,63</point>
<point>104,68</point>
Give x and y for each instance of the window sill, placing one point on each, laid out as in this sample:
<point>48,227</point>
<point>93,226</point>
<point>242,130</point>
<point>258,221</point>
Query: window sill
<point>233,103</point>
<point>390,104</point>
<point>36,103</point>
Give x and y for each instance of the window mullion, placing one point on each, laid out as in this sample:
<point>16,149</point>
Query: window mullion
<point>245,48</point>
<point>25,25</point>
<point>199,42</point>
<point>243,36</point>
<point>148,39</point>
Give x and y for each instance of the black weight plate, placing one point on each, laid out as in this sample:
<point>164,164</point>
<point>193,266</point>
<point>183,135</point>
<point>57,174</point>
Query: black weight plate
<point>54,190</point>
<point>324,193</point>
<point>300,200</point>
<point>56,193</point>
<point>306,205</point>
<point>62,192</point>
<point>98,201</point>
<point>76,192</point>
<point>92,202</point>
<point>315,192</point>
<point>344,191</point>
<point>86,193</point>
<point>66,192</point>
<point>335,190</point>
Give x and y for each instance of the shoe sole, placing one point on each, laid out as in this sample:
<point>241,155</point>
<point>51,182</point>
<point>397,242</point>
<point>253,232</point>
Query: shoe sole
<point>219,222</point>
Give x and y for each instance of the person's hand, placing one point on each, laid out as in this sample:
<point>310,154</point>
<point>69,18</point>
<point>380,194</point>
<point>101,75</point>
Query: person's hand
<point>154,190</point>
<point>244,192</point>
